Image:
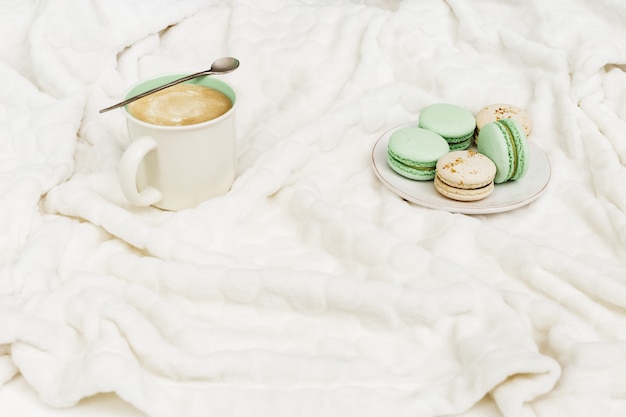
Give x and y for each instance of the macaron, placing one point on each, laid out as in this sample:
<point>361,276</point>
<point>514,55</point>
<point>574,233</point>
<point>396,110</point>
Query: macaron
<point>465,175</point>
<point>495,112</point>
<point>413,152</point>
<point>505,143</point>
<point>454,123</point>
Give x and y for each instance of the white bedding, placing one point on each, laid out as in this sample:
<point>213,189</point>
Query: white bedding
<point>311,288</point>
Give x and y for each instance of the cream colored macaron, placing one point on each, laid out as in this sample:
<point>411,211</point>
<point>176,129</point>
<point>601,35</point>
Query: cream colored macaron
<point>465,175</point>
<point>495,112</point>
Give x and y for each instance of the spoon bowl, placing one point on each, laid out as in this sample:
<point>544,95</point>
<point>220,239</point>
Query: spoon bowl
<point>218,67</point>
<point>223,65</point>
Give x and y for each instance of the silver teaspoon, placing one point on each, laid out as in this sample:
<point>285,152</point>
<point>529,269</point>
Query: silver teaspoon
<point>219,66</point>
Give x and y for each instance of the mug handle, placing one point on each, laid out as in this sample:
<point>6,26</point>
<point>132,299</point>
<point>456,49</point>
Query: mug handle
<point>129,165</point>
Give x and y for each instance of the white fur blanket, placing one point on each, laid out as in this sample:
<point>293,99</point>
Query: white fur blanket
<point>311,288</point>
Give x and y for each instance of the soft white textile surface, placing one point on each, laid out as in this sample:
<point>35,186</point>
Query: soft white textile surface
<point>311,289</point>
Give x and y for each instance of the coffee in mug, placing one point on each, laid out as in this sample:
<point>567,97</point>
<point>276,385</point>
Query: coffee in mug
<point>182,143</point>
<point>181,105</point>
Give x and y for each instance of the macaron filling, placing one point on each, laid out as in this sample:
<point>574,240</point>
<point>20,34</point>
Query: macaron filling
<point>408,164</point>
<point>460,143</point>
<point>463,194</point>
<point>521,147</point>
<point>460,185</point>
<point>511,138</point>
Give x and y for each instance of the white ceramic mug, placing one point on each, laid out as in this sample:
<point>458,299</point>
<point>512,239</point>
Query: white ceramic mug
<point>178,167</point>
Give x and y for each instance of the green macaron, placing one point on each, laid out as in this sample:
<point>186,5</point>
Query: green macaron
<point>454,123</point>
<point>413,152</point>
<point>505,143</point>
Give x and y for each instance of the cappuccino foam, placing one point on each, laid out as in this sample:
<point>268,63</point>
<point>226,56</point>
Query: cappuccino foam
<point>180,105</point>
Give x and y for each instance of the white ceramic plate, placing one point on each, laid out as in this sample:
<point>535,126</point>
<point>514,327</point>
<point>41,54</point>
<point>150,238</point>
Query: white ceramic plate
<point>507,196</point>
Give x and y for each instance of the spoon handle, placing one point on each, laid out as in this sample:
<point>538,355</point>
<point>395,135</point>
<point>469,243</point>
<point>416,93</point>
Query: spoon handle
<point>159,88</point>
